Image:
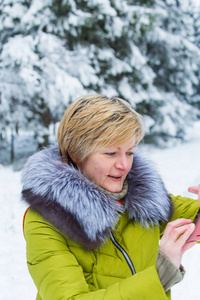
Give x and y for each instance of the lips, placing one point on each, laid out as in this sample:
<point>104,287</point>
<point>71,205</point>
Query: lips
<point>115,177</point>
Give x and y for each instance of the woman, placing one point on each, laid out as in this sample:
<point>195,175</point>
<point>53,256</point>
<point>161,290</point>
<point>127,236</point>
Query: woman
<point>98,210</point>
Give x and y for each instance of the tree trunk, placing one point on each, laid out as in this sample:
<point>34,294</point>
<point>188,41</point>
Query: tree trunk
<point>12,150</point>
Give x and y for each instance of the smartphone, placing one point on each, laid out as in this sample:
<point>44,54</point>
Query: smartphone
<point>195,236</point>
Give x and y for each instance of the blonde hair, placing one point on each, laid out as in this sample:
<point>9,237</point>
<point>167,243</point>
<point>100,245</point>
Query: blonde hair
<point>93,122</point>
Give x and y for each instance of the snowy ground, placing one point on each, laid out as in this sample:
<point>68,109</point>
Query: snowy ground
<point>179,167</point>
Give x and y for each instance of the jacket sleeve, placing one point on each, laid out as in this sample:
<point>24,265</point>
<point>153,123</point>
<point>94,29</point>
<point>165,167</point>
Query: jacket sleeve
<point>58,276</point>
<point>184,207</point>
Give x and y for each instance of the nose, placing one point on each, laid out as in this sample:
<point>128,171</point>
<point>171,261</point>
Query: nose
<point>122,163</point>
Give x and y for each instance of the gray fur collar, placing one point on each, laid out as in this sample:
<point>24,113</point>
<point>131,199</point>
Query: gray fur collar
<point>81,210</point>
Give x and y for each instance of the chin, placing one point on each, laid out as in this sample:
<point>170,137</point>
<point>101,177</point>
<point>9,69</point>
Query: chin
<point>114,189</point>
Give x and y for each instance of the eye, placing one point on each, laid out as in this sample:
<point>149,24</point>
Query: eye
<point>130,153</point>
<point>110,153</point>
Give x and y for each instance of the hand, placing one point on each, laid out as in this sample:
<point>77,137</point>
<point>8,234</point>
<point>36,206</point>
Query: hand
<point>174,240</point>
<point>195,190</point>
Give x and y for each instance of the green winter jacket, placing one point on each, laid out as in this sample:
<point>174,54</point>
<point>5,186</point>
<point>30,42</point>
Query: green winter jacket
<point>82,245</point>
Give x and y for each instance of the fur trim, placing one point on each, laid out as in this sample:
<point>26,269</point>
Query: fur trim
<point>81,210</point>
<point>147,200</point>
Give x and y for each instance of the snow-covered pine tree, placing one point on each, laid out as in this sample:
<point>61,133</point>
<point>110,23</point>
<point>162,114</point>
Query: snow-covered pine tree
<point>175,60</point>
<point>196,99</point>
<point>53,51</point>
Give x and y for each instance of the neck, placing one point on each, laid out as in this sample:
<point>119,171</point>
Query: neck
<point>118,195</point>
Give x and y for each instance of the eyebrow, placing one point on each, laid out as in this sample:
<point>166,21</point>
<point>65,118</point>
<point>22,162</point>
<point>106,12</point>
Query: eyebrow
<point>132,147</point>
<point>129,148</point>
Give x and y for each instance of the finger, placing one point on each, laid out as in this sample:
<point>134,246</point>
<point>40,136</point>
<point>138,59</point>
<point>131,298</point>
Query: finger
<point>199,193</point>
<point>172,232</point>
<point>193,189</point>
<point>180,222</point>
<point>186,234</point>
<point>172,225</point>
<point>179,232</point>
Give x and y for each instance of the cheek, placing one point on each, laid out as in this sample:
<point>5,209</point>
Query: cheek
<point>95,172</point>
<point>99,173</point>
<point>96,168</point>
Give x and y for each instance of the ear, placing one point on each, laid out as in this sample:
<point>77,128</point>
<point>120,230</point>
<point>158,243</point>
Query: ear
<point>72,157</point>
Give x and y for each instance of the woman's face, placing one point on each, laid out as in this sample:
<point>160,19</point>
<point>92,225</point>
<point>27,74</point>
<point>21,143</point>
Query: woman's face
<point>109,167</point>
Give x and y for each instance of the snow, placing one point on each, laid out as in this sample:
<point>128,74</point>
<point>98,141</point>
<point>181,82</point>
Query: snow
<point>126,90</point>
<point>105,7</point>
<point>117,27</point>
<point>179,167</point>
<point>40,63</point>
<point>48,55</point>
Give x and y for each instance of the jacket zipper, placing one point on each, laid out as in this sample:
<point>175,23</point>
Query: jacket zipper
<point>125,254</point>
